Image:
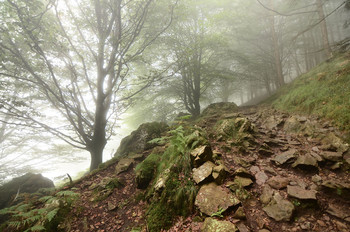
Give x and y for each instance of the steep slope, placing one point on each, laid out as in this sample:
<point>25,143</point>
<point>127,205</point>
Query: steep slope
<point>233,169</point>
<point>324,91</point>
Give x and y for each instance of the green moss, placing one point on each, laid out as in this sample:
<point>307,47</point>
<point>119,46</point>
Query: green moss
<point>177,194</point>
<point>159,216</point>
<point>146,169</point>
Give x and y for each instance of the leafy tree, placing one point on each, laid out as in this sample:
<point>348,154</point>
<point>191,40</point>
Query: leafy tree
<point>77,56</point>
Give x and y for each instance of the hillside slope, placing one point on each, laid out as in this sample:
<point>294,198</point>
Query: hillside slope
<point>259,168</point>
<point>324,91</point>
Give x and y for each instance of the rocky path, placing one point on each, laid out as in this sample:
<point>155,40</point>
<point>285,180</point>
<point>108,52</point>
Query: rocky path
<point>290,173</point>
<point>281,173</point>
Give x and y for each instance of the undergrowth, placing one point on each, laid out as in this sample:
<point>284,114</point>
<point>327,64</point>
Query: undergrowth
<point>28,216</point>
<point>324,91</point>
<point>173,191</point>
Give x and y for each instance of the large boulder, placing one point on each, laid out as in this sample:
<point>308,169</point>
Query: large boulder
<point>138,140</point>
<point>28,183</point>
<point>219,108</point>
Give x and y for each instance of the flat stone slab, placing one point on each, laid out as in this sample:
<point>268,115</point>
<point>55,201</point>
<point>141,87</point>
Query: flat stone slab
<point>339,212</point>
<point>285,157</point>
<point>213,225</point>
<point>211,198</point>
<point>305,162</point>
<point>123,165</point>
<point>278,182</point>
<point>203,172</point>
<point>242,181</point>
<point>279,209</point>
<point>300,193</point>
<point>332,156</point>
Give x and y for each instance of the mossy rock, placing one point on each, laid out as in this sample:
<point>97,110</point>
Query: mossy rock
<point>28,183</point>
<point>146,169</point>
<point>138,140</point>
<point>219,108</point>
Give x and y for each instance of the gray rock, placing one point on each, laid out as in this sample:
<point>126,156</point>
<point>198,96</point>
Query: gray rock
<point>300,193</point>
<point>279,209</point>
<point>332,156</point>
<point>243,173</point>
<point>212,198</point>
<point>213,225</point>
<point>339,212</point>
<point>203,172</point>
<point>334,143</point>
<point>239,214</point>
<point>305,162</point>
<point>278,182</point>
<point>261,178</point>
<point>219,173</point>
<point>123,165</point>
<point>242,182</point>
<point>200,155</point>
<point>266,195</point>
<point>242,228</point>
<point>285,157</point>
<point>28,183</point>
<point>138,140</point>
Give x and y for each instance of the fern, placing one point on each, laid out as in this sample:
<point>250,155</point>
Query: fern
<point>50,215</point>
<point>46,199</point>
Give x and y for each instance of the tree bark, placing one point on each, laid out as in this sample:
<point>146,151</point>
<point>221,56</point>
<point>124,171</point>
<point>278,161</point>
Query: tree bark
<point>324,30</point>
<point>276,49</point>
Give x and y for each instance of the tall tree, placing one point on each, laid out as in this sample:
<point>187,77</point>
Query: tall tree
<point>77,55</point>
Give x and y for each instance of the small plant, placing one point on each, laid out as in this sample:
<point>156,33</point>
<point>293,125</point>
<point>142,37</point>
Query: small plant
<point>28,217</point>
<point>218,213</point>
<point>296,203</point>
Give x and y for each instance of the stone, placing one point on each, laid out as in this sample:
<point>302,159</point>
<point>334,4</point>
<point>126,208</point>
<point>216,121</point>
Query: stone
<point>162,179</point>
<point>334,143</point>
<point>316,179</point>
<point>243,173</point>
<point>321,223</point>
<point>219,173</point>
<point>212,198</point>
<point>261,178</point>
<point>203,172</point>
<point>279,209</point>
<point>267,194</point>
<point>305,162</point>
<point>111,206</point>
<point>138,140</point>
<point>242,182</point>
<point>332,156</point>
<point>123,165</point>
<point>339,212</point>
<point>278,182</point>
<point>239,214</point>
<point>317,157</point>
<point>242,228</point>
<point>213,225</point>
<point>272,122</point>
<point>292,125</point>
<point>285,157</point>
<point>200,155</point>
<point>265,152</point>
<point>28,183</point>
<point>221,108</point>
<point>300,193</point>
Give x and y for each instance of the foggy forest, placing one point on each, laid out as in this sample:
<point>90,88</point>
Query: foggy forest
<point>78,76</point>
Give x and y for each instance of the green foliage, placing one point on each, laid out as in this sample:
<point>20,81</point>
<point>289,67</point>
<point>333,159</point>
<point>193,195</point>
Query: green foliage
<point>177,195</point>
<point>218,213</point>
<point>324,91</point>
<point>29,217</point>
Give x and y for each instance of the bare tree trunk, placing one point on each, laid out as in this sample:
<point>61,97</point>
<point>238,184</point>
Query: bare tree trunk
<point>324,30</point>
<point>276,50</point>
